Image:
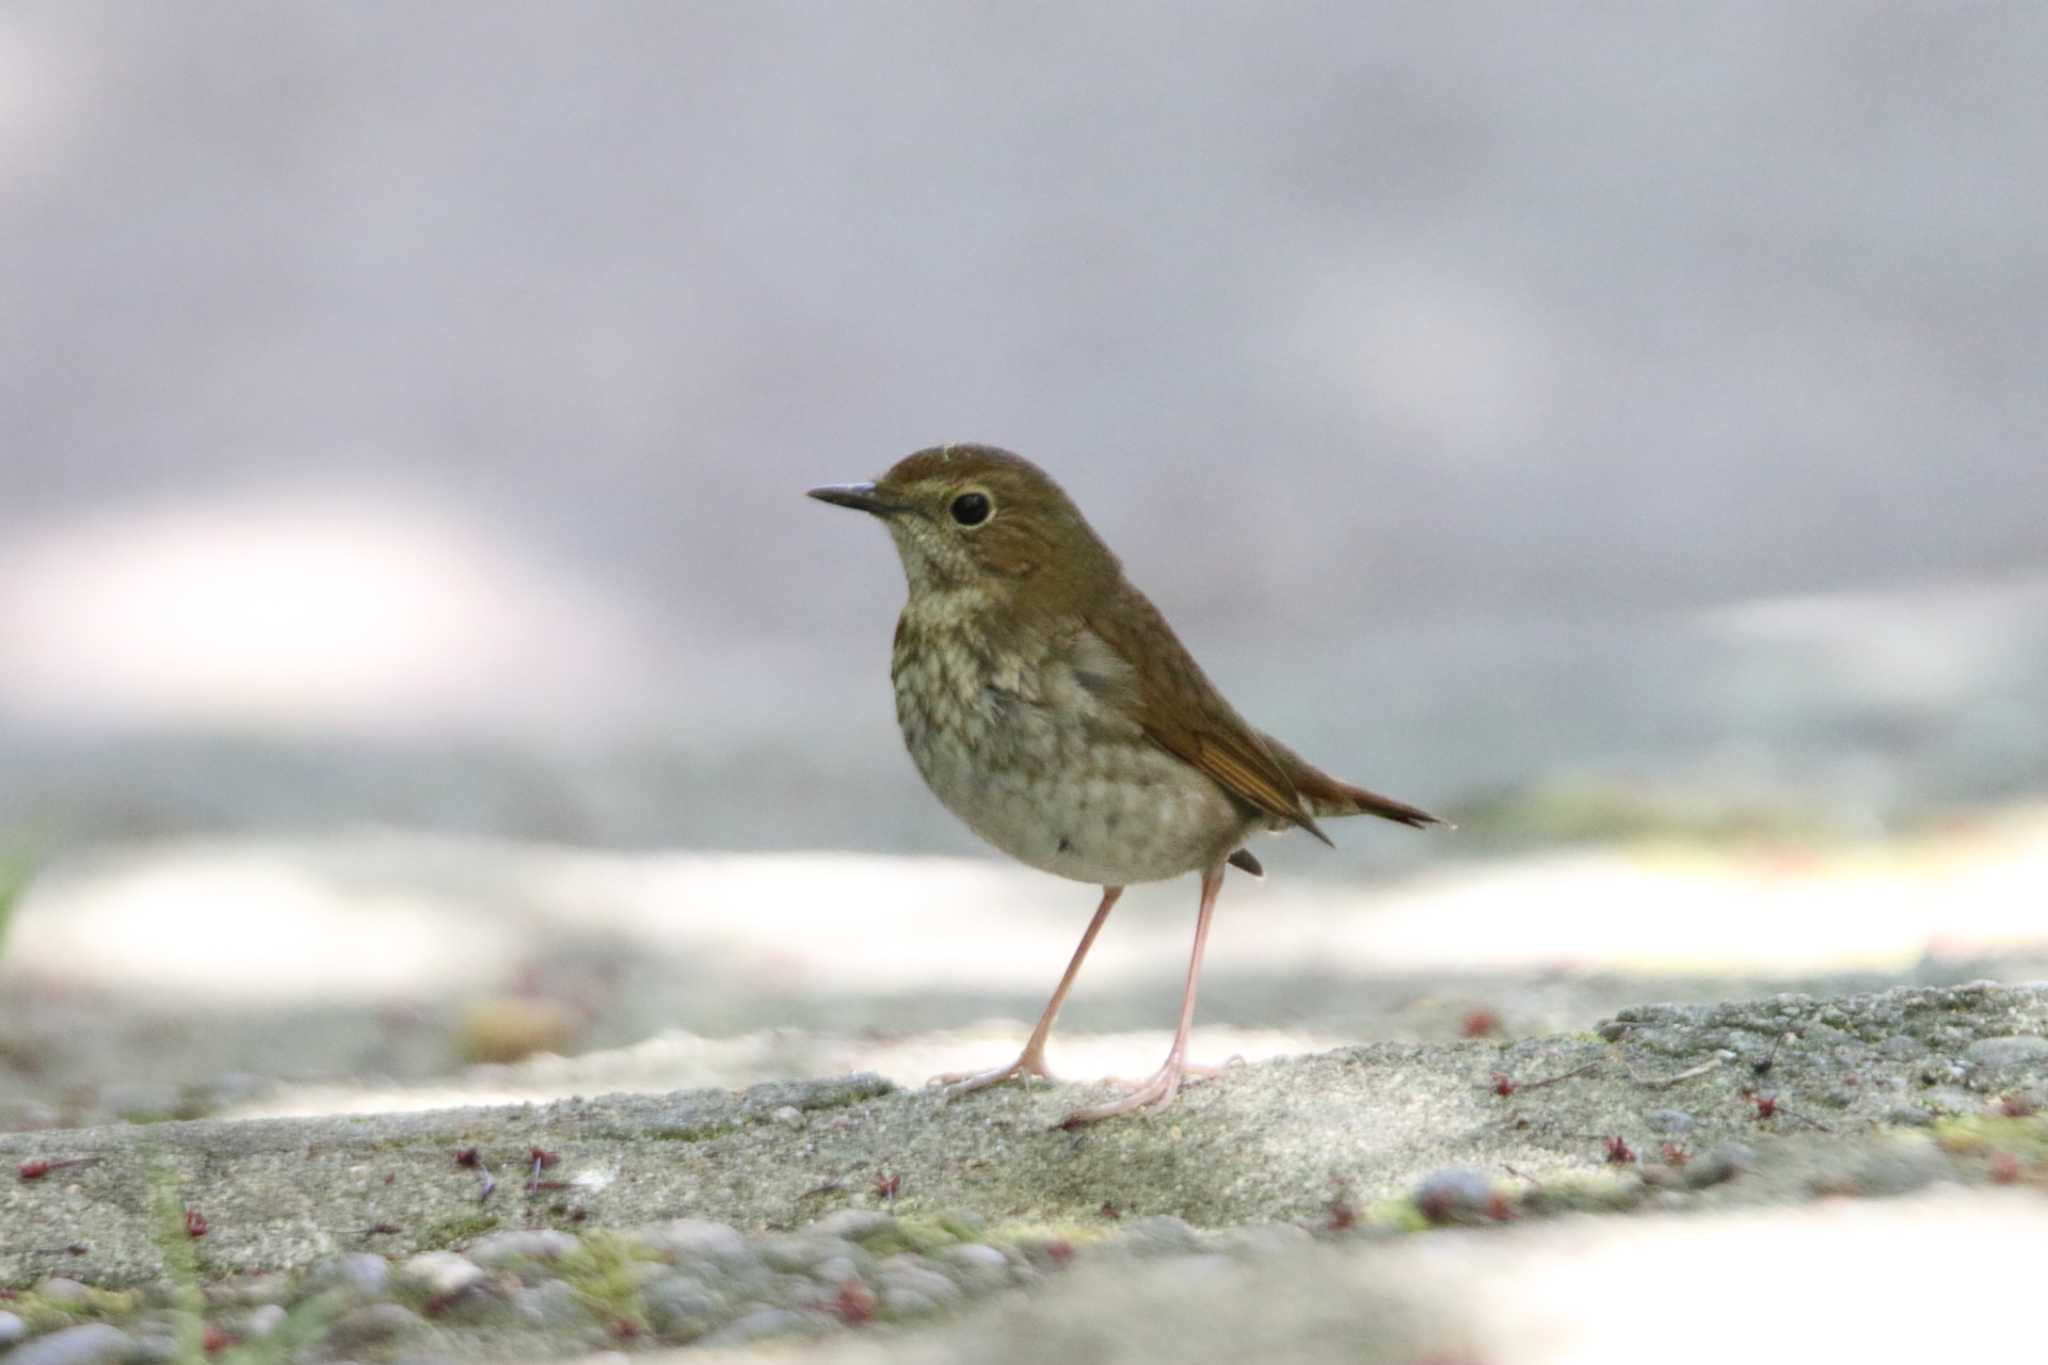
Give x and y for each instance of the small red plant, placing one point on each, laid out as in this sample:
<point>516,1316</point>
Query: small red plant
<point>2016,1106</point>
<point>1342,1212</point>
<point>216,1339</point>
<point>1766,1106</point>
<point>886,1186</point>
<point>2005,1168</point>
<point>1480,1023</point>
<point>542,1160</point>
<point>1504,1084</point>
<point>1619,1153</point>
<point>467,1157</point>
<point>855,1304</point>
<point>1674,1155</point>
<point>195,1224</point>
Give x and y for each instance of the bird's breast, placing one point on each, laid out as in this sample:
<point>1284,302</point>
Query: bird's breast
<point>1015,733</point>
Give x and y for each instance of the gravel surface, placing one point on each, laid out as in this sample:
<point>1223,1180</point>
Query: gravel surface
<point>795,1210</point>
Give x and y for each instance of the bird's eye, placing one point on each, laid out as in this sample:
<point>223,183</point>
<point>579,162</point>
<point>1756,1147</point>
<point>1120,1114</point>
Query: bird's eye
<point>971,509</point>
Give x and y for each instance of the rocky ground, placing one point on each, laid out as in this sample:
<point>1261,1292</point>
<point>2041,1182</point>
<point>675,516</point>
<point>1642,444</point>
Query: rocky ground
<point>1358,1203</point>
<point>330,1099</point>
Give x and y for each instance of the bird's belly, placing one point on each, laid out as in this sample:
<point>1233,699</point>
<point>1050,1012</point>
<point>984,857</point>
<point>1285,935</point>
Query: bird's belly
<point>1068,793</point>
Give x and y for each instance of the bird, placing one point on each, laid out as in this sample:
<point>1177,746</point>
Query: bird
<point>1048,704</point>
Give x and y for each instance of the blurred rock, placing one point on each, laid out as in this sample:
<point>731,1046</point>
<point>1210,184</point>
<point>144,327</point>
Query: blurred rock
<point>511,1027</point>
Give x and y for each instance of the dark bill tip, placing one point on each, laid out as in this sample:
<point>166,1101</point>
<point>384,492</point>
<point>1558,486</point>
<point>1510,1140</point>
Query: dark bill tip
<point>859,496</point>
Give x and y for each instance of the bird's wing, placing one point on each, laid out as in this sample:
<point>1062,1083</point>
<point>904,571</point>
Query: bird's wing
<point>1181,711</point>
<point>1326,795</point>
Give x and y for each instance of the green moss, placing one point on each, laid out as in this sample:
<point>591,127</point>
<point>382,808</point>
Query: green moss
<point>604,1273</point>
<point>916,1233</point>
<point>1585,1194</point>
<point>1399,1214</point>
<point>182,1294</point>
<point>691,1132</point>
<point>1031,1236</point>
<point>1978,1134</point>
<point>453,1232</point>
<point>298,1337</point>
<point>47,1315</point>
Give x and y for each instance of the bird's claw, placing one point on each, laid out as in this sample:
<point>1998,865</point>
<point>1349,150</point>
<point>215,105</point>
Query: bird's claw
<point>1147,1096</point>
<point>1025,1069</point>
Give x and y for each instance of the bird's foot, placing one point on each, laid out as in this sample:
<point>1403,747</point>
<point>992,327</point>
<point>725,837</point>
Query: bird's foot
<point>1193,1071</point>
<point>1030,1065</point>
<point>1147,1096</point>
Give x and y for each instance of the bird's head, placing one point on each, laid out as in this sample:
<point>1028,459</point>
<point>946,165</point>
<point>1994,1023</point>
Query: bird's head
<point>969,516</point>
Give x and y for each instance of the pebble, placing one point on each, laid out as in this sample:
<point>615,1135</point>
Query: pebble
<point>797,1251</point>
<point>907,1303</point>
<point>1998,1054</point>
<point>1722,1164</point>
<point>1454,1192</point>
<point>681,1306</point>
<point>362,1272</point>
<point>1896,1170</point>
<point>765,1322</point>
<point>856,1224</point>
<point>59,1289</point>
<point>1261,1239</point>
<point>1669,1122</point>
<point>552,1304</point>
<point>154,1348</point>
<point>442,1273</point>
<point>1159,1233</point>
<point>93,1343</point>
<point>246,1291</point>
<point>976,1256</point>
<point>836,1270</point>
<point>903,1275</point>
<point>789,1116</point>
<point>12,1329</point>
<point>498,1249</point>
<point>695,1237</point>
<point>370,1325</point>
<point>265,1320</point>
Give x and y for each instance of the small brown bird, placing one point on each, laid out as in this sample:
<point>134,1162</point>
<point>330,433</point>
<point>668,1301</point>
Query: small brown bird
<point>1048,704</point>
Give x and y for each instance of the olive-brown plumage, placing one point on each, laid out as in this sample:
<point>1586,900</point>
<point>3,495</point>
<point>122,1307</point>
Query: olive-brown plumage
<point>1048,704</point>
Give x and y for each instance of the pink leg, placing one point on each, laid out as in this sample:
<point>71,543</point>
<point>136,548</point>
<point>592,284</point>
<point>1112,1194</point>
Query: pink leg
<point>1031,1061</point>
<point>1158,1092</point>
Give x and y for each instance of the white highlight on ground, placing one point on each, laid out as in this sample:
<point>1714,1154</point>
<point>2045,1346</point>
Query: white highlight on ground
<point>387,916</point>
<point>351,610</point>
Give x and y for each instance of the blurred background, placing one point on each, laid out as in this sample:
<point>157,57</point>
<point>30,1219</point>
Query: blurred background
<point>1620,429</point>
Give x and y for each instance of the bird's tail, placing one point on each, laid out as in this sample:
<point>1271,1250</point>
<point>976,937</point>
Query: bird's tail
<point>1325,795</point>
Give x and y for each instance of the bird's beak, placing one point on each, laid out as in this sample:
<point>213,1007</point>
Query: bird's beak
<point>860,496</point>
